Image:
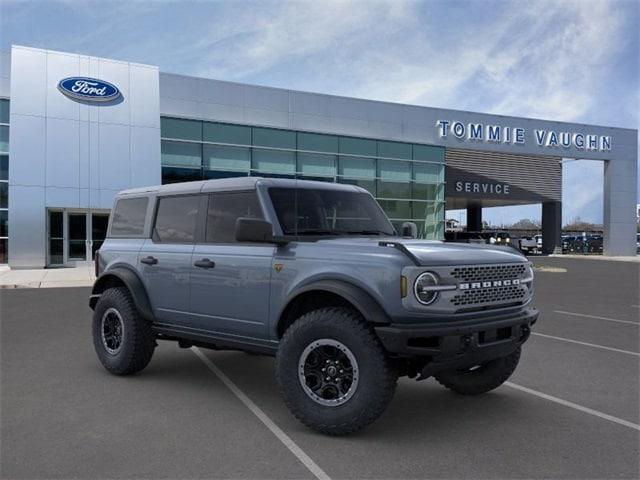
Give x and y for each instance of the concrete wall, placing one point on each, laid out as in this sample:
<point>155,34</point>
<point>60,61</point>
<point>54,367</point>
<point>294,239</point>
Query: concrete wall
<point>620,198</point>
<point>70,154</point>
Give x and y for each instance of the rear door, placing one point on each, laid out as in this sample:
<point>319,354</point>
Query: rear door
<point>230,281</point>
<point>165,258</point>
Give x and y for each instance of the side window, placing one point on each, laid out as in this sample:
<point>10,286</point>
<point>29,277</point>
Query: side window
<point>224,210</point>
<point>128,216</point>
<point>176,219</point>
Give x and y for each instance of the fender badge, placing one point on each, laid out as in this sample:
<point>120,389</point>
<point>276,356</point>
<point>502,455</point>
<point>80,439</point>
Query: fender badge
<point>278,267</point>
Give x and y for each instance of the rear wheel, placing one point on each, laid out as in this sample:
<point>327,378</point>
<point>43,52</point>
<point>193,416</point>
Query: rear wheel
<point>480,378</point>
<point>123,340</point>
<point>333,373</point>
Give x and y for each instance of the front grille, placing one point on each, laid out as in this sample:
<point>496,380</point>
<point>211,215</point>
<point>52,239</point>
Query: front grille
<point>489,272</point>
<point>495,295</point>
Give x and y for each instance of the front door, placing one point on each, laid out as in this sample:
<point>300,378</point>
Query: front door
<point>230,282</point>
<point>165,259</point>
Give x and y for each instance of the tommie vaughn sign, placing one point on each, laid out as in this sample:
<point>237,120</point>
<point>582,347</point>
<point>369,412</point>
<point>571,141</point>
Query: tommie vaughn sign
<point>88,89</point>
<point>478,132</point>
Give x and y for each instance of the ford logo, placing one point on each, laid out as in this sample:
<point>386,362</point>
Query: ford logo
<point>89,89</point>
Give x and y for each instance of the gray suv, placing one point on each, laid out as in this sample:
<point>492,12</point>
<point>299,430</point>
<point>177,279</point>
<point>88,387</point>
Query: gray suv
<point>314,274</point>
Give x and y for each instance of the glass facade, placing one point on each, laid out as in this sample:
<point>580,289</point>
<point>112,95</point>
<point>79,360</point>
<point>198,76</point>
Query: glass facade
<point>4,181</point>
<point>407,179</point>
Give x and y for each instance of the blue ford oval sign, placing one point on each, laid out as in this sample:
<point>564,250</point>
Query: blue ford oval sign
<point>89,89</point>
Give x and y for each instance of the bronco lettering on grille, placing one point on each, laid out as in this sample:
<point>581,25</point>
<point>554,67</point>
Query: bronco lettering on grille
<point>494,283</point>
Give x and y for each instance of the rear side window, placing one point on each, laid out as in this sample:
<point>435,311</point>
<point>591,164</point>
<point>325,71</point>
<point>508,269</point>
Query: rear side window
<point>176,219</point>
<point>128,216</point>
<point>224,210</point>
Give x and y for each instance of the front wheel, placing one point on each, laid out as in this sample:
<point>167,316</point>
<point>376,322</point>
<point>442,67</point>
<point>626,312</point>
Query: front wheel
<point>480,378</point>
<point>333,373</point>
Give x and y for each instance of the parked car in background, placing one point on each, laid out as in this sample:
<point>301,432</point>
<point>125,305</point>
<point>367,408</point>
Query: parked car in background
<point>487,237</point>
<point>538,239</point>
<point>582,244</point>
<point>527,245</point>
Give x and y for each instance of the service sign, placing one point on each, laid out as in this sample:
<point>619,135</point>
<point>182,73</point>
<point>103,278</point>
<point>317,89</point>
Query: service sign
<point>88,89</point>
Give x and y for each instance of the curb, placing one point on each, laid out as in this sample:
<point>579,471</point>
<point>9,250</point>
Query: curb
<point>61,284</point>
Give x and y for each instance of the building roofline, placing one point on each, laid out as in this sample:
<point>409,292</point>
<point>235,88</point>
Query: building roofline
<point>400,104</point>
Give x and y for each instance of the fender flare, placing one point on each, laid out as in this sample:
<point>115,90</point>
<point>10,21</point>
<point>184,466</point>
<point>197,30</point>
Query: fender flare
<point>356,296</point>
<point>133,283</point>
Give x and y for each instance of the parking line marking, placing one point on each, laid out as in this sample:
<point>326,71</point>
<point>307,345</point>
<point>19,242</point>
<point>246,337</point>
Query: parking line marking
<point>257,411</point>
<point>575,406</point>
<point>597,318</point>
<point>586,344</point>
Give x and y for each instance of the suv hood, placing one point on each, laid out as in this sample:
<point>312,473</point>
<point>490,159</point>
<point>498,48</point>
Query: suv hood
<point>440,253</point>
<point>435,253</point>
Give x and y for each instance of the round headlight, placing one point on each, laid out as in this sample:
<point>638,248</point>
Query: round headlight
<point>423,288</point>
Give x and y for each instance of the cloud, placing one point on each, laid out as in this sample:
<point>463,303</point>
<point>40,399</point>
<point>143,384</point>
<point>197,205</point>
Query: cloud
<point>570,60</point>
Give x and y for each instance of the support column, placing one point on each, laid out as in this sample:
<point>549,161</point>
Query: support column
<point>620,198</point>
<point>551,227</point>
<point>474,218</point>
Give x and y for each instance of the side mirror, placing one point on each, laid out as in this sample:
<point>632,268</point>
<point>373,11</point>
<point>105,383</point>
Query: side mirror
<point>409,229</point>
<point>253,230</point>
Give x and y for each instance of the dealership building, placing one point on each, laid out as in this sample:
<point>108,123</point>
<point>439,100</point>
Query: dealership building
<point>75,130</point>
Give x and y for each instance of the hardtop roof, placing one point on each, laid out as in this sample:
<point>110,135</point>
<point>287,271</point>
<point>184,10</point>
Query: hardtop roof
<point>235,183</point>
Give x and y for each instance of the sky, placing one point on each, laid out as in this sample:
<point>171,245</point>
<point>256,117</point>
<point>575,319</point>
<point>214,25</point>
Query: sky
<point>557,60</point>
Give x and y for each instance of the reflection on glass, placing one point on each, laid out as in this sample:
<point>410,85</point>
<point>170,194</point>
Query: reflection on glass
<point>227,158</point>
<point>181,154</point>
<point>274,161</point>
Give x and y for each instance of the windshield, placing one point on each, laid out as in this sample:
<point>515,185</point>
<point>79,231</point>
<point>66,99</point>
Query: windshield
<point>308,211</point>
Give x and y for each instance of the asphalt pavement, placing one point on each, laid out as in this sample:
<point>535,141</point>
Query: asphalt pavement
<point>570,411</point>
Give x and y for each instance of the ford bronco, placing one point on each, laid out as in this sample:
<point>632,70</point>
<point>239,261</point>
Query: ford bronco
<point>314,274</point>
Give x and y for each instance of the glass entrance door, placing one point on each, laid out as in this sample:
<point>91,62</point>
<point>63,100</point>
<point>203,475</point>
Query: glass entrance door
<point>77,236</point>
<point>56,238</point>
<point>74,236</point>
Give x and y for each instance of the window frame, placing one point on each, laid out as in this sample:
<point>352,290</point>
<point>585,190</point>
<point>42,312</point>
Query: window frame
<point>197,234</point>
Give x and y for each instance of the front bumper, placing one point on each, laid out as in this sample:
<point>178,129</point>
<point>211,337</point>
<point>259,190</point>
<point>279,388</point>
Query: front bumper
<point>458,344</point>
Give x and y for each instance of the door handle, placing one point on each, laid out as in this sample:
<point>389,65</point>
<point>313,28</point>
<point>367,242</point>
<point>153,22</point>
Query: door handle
<point>149,260</point>
<point>204,263</point>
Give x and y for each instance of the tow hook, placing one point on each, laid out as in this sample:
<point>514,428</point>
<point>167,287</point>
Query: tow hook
<point>526,331</point>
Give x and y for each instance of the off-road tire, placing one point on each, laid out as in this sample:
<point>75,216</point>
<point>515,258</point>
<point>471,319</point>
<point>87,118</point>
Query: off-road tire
<point>138,341</point>
<point>481,380</point>
<point>377,375</point>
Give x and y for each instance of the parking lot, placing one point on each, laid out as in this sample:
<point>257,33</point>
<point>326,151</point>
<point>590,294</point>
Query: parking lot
<point>570,411</point>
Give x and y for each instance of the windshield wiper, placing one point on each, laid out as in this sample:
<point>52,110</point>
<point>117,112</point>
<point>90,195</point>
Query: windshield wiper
<point>317,231</point>
<point>367,232</point>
